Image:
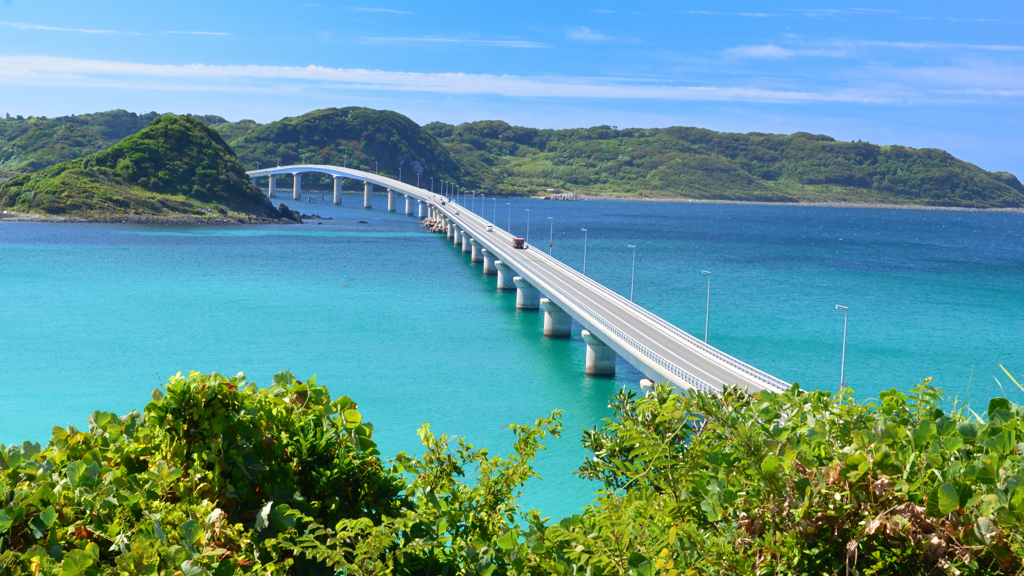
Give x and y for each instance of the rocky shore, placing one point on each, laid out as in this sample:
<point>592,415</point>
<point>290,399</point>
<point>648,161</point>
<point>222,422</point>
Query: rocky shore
<point>435,224</point>
<point>287,216</point>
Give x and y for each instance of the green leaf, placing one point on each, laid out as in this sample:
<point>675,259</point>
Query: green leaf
<point>770,465</point>
<point>969,430</point>
<point>507,540</point>
<point>280,518</point>
<point>76,563</point>
<point>76,473</point>
<point>1002,443</point>
<point>263,518</point>
<point>352,418</point>
<point>949,499</point>
<point>48,516</point>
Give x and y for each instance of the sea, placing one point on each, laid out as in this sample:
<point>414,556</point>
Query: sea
<point>97,316</point>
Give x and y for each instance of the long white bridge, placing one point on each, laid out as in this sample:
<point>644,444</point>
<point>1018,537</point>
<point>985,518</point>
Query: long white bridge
<point>612,324</point>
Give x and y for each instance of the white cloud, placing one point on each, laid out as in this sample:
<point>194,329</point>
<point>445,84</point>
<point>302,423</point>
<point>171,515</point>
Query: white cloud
<point>387,10</point>
<point>24,26</point>
<point>194,33</point>
<point>934,45</point>
<point>586,34</point>
<point>465,41</point>
<point>770,51</point>
<point>744,14</point>
<point>601,11</point>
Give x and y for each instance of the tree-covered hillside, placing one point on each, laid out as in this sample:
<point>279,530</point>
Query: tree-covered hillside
<point>174,166</point>
<point>356,137</point>
<point>683,162</point>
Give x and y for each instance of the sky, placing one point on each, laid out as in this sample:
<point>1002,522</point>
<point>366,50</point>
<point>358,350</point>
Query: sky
<point>938,74</point>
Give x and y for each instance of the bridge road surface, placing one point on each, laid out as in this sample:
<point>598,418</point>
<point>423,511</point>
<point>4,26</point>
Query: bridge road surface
<point>658,349</point>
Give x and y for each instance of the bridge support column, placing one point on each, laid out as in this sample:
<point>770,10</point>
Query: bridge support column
<point>392,200</point>
<point>489,268</point>
<point>476,250</point>
<point>505,276</point>
<point>272,187</point>
<point>646,386</point>
<point>296,186</point>
<point>451,228</point>
<point>557,322</point>
<point>466,246</point>
<point>367,195</point>
<point>600,358</point>
<point>337,189</point>
<point>409,200</point>
<point>423,209</point>
<point>527,297</point>
<point>456,236</point>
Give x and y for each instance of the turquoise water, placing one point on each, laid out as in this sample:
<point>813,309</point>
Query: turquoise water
<point>96,316</point>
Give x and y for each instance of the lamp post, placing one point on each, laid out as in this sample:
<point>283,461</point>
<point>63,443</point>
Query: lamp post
<point>344,163</point>
<point>417,179</point>
<point>842,367</point>
<point>508,227</point>
<point>375,168</point>
<point>472,200</point>
<point>584,230</point>
<point>551,234</point>
<point>431,184</point>
<point>632,272</point>
<point>494,209</point>
<point>257,165</point>
<point>527,225</point>
<point>399,173</point>
<point>707,315</point>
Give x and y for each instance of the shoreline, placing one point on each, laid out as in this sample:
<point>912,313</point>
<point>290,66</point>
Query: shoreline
<point>6,216</point>
<point>868,205</point>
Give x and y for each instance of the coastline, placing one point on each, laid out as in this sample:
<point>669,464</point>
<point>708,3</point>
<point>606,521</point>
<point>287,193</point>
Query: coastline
<point>6,216</point>
<point>868,205</point>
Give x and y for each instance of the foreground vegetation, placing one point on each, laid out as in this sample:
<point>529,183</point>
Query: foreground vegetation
<point>502,159</point>
<point>175,166</point>
<point>218,476</point>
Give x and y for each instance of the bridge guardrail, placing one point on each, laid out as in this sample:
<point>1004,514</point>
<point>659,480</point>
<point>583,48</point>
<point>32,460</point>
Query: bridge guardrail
<point>657,358</point>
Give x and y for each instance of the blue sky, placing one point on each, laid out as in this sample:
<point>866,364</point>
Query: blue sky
<point>927,74</point>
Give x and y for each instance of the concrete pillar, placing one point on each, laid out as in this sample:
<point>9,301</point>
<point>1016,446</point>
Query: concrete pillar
<point>392,200</point>
<point>367,191</point>
<point>337,189</point>
<point>272,188</point>
<point>600,358</point>
<point>557,322</point>
<point>527,297</point>
<point>457,236</point>
<point>409,200</point>
<point>476,248</point>
<point>451,228</point>
<point>467,247</point>
<point>423,209</point>
<point>505,276</point>
<point>297,187</point>
<point>489,268</point>
<point>646,386</point>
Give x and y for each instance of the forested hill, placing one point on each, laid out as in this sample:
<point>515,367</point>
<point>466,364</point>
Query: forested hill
<point>176,166</point>
<point>676,162</point>
<point>682,162</point>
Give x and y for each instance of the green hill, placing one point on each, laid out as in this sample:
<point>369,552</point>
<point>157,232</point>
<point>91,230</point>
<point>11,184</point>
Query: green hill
<point>355,137</point>
<point>696,163</point>
<point>175,166</point>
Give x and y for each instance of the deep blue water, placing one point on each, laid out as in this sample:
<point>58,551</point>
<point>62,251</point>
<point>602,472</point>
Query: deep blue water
<point>96,316</point>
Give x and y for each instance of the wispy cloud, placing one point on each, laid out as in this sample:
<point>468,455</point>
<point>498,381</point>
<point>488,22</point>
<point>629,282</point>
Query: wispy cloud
<point>763,51</point>
<point>932,45</point>
<point>463,41</point>
<point>387,10</point>
<point>602,11</point>
<point>586,34</point>
<point>24,26</point>
<point>744,14</point>
<point>196,33</point>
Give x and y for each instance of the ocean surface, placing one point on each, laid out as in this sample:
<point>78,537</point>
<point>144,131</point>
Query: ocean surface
<point>97,316</point>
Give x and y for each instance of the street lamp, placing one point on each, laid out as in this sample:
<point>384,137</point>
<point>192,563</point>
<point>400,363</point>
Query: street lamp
<point>632,273</point>
<point>842,368</point>
<point>431,184</point>
<point>417,179</point>
<point>375,168</point>
<point>707,316</point>
<point>494,209</point>
<point>399,173</point>
<point>584,230</point>
<point>527,225</point>
<point>508,227</point>
<point>551,234</point>
<point>344,163</point>
<point>257,165</point>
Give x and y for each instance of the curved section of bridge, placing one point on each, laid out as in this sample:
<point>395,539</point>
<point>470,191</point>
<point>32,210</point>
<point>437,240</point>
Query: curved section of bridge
<point>612,324</point>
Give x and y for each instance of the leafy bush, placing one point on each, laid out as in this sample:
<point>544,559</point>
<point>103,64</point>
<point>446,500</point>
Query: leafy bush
<point>220,477</point>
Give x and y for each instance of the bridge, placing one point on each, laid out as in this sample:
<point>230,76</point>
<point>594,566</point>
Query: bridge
<point>612,325</point>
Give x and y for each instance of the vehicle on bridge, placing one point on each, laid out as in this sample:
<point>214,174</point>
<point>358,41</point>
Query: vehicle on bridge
<point>519,244</point>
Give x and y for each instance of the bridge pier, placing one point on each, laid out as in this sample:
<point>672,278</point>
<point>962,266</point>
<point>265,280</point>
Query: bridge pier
<point>527,297</point>
<point>423,209</point>
<point>600,357</point>
<point>456,236</point>
<point>477,255</point>
<point>408,205</point>
<point>506,275</point>
<point>557,322</point>
<point>367,191</point>
<point>450,228</point>
<point>272,187</point>
<point>337,189</point>
<point>297,186</point>
<point>466,246</point>
<point>489,268</point>
<point>392,200</point>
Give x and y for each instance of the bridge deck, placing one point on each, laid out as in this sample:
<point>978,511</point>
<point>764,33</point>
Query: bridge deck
<point>660,350</point>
